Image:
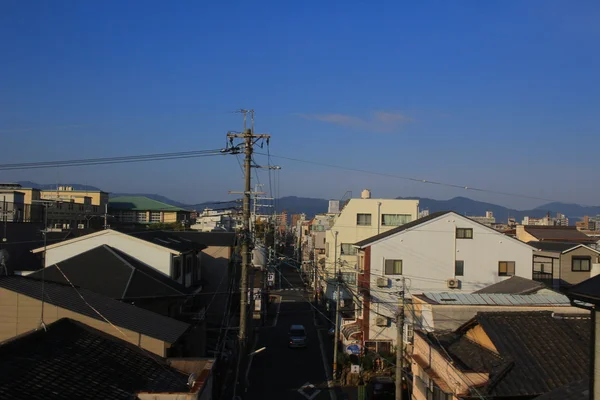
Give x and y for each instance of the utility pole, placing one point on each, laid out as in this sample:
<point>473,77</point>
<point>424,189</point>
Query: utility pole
<point>337,311</point>
<point>400,342</point>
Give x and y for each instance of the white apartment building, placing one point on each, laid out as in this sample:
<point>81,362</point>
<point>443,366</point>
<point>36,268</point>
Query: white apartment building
<point>216,220</point>
<point>443,252</point>
<point>360,219</point>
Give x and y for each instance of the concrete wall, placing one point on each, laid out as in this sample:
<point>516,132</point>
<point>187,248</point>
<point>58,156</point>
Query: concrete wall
<point>428,253</point>
<point>20,314</point>
<point>155,256</point>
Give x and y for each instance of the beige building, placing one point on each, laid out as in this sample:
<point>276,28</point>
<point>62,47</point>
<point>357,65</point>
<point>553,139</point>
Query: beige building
<point>143,210</point>
<point>360,219</point>
<point>21,311</point>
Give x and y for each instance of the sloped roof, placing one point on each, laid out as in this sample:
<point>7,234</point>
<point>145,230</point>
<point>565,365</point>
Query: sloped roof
<point>513,285</point>
<point>222,239</point>
<point>110,272</point>
<point>498,299</point>
<point>556,247</point>
<point>168,239</point>
<point>119,313</point>
<point>547,352</point>
<point>401,228</point>
<point>579,390</point>
<point>71,360</point>
<point>587,291</point>
<point>558,234</point>
<point>140,203</point>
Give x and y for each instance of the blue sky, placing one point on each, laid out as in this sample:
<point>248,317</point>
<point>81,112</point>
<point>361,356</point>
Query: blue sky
<point>502,95</point>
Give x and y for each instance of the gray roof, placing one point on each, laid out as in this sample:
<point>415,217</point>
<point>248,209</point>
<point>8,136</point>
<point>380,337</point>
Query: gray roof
<point>497,299</point>
<point>513,285</point>
<point>578,390</point>
<point>556,247</point>
<point>119,313</point>
<point>168,239</point>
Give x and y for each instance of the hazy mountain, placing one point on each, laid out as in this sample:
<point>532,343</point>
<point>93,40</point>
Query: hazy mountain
<point>53,186</point>
<point>571,210</point>
<point>156,197</point>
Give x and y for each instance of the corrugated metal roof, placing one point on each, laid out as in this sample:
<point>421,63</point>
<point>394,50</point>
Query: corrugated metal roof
<point>498,299</point>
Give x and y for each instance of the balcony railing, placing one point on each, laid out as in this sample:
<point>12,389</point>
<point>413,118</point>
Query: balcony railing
<point>543,277</point>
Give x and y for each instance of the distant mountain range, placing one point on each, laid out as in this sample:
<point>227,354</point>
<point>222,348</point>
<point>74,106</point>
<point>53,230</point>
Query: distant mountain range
<point>312,206</point>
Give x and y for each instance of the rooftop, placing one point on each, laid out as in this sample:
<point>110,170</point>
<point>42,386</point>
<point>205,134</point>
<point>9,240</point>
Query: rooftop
<point>70,360</point>
<point>587,291</point>
<point>558,234</point>
<point>496,299</point>
<point>120,314</point>
<point>129,277</point>
<point>222,239</point>
<point>513,285</point>
<point>168,239</point>
<point>555,247</point>
<point>140,203</point>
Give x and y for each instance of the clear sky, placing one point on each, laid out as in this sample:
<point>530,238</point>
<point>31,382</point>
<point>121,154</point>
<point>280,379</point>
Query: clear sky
<point>502,95</point>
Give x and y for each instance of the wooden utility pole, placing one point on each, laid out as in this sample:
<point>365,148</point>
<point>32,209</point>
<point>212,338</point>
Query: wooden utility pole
<point>400,344</point>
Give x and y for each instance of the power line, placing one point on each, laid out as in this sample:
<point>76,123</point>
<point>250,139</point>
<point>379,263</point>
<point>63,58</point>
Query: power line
<point>412,179</point>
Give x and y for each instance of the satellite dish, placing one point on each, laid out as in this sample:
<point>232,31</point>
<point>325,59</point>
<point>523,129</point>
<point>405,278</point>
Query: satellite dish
<point>192,379</point>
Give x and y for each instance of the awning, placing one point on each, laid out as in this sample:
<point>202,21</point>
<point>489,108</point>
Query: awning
<point>350,330</point>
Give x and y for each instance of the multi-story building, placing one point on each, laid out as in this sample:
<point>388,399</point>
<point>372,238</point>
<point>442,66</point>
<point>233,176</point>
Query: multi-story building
<point>559,220</point>
<point>143,210</point>
<point>487,220</point>
<point>217,220</point>
<point>12,206</point>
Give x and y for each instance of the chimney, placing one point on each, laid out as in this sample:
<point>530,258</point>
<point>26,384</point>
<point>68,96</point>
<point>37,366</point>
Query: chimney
<point>365,194</point>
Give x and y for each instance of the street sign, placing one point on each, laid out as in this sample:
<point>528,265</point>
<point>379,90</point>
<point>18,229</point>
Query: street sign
<point>353,349</point>
<point>271,277</point>
<point>355,369</point>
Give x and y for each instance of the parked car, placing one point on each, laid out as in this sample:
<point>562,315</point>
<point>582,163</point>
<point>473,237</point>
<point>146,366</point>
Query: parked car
<point>297,336</point>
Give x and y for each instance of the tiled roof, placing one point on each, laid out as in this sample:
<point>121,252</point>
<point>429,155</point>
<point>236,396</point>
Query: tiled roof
<point>127,277</point>
<point>120,314</point>
<point>547,352</point>
<point>140,203</point>
<point>401,228</point>
<point>71,360</point>
<point>558,234</point>
<point>168,239</point>
<point>226,239</point>
<point>513,285</point>
<point>556,247</point>
<point>587,291</point>
<point>579,390</point>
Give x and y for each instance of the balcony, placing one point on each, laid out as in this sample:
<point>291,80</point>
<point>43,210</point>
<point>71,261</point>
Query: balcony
<point>543,277</point>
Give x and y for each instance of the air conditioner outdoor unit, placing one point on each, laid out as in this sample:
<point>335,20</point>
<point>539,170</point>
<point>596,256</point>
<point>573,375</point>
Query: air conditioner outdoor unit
<point>382,282</point>
<point>381,321</point>
<point>452,283</point>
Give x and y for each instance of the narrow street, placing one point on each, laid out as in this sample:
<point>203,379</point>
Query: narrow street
<point>280,372</point>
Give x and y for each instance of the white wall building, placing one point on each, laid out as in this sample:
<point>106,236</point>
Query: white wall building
<point>443,252</point>
<point>216,220</point>
<point>172,257</point>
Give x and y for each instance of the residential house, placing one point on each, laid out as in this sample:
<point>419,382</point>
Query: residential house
<point>586,295</point>
<point>562,264</point>
<point>360,219</point>
<point>143,210</point>
<point>69,359</point>
<point>22,310</point>
<point>169,254</point>
<point>443,252</point>
<point>552,234</point>
<point>502,355</point>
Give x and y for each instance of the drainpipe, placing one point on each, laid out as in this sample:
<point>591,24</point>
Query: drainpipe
<point>378,216</point>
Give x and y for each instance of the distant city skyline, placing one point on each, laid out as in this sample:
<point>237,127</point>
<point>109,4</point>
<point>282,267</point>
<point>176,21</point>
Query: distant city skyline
<point>494,95</point>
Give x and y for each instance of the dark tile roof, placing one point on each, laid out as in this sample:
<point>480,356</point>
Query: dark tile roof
<point>74,361</point>
<point>546,352</point>
<point>587,291</point>
<point>110,272</point>
<point>559,234</point>
<point>579,390</point>
<point>401,228</point>
<point>513,285</point>
<point>556,247</point>
<point>168,239</point>
<point>222,239</point>
<point>119,313</point>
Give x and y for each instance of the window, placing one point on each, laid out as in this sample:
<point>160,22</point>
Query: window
<point>71,206</point>
<point>81,207</point>
<point>59,205</point>
<point>155,217</point>
<point>349,277</point>
<point>581,263</point>
<point>459,268</point>
<point>142,217</point>
<point>95,208</point>
<point>176,268</point>
<point>506,268</point>
<point>395,219</point>
<point>464,233</point>
<point>393,267</point>
<point>348,249</point>
<point>363,219</point>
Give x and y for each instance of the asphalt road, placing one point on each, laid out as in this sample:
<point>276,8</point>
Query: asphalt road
<point>279,372</point>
